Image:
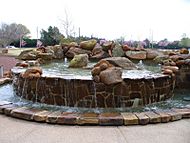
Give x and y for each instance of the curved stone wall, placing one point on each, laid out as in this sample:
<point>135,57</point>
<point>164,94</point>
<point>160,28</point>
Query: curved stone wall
<point>86,93</point>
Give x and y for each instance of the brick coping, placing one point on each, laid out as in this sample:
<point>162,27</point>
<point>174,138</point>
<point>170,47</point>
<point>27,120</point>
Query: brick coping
<point>91,118</point>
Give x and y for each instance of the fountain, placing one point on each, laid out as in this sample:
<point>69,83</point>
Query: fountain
<point>58,94</point>
<point>138,88</point>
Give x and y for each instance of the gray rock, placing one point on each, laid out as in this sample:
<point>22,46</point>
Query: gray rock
<point>122,62</point>
<point>118,51</point>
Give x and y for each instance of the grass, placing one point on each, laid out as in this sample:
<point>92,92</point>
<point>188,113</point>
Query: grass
<point>14,51</point>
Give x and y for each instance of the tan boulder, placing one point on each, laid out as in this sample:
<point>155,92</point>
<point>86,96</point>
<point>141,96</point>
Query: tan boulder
<point>32,72</point>
<point>136,55</point>
<point>112,75</point>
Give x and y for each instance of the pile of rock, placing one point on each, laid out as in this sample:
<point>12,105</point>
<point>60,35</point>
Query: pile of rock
<point>109,70</point>
<point>173,61</point>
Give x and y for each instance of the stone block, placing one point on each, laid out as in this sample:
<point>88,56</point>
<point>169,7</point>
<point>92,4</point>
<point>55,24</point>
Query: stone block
<point>52,117</point>
<point>130,118</point>
<point>41,116</point>
<point>7,110</point>
<point>67,118</point>
<point>110,119</point>
<point>164,116</point>
<point>154,118</point>
<point>88,119</point>
<point>143,118</point>
<point>174,115</point>
<point>3,107</point>
<point>185,112</point>
<point>23,113</point>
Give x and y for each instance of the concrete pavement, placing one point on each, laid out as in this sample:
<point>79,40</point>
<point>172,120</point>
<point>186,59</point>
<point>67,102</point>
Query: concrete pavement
<point>20,131</point>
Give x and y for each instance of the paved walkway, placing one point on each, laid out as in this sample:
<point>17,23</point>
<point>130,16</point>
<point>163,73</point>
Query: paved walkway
<point>7,62</point>
<point>20,131</point>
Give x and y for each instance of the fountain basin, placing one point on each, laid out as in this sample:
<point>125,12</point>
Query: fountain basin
<point>76,91</point>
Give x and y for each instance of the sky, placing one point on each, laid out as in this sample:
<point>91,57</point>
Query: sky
<point>110,19</point>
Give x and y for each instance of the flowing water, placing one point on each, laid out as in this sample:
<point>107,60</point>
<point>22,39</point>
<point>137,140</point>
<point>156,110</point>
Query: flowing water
<point>7,94</point>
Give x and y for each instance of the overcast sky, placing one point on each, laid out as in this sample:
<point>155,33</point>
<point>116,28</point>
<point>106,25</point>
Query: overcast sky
<point>110,19</point>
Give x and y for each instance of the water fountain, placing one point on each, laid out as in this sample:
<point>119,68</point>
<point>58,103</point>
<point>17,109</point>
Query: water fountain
<point>139,88</point>
<point>59,96</point>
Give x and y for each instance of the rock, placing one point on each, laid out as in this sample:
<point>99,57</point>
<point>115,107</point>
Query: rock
<point>79,61</point>
<point>174,69</point>
<point>58,52</point>
<point>122,62</point>
<point>184,51</point>
<point>45,56</point>
<point>112,75</point>
<point>151,54</point>
<point>180,62</point>
<point>88,45</point>
<point>22,64</point>
<point>73,44</point>
<point>27,55</point>
<point>8,74</point>
<point>101,55</point>
<point>96,78</point>
<point>65,49</point>
<point>167,71</point>
<point>176,58</point>
<point>168,62</point>
<point>126,48</point>
<point>161,58</point>
<point>32,72</point>
<point>76,51</point>
<point>103,61</point>
<point>118,51</point>
<point>107,45</point>
<point>95,71</point>
<point>136,55</point>
<point>33,63</point>
<point>4,51</point>
<point>97,49</point>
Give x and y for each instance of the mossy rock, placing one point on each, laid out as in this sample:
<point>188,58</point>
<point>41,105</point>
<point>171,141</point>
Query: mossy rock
<point>88,45</point>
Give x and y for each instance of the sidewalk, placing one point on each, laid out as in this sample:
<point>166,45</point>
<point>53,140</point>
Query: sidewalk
<point>20,131</point>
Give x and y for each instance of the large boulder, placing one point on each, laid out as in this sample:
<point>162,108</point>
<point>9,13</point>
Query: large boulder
<point>112,75</point>
<point>27,55</point>
<point>118,51</point>
<point>121,62</point>
<point>136,55</point>
<point>88,45</point>
<point>79,61</point>
<point>76,51</point>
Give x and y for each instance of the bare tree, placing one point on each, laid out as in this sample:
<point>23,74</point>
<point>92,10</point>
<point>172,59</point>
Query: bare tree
<point>67,25</point>
<point>12,32</point>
